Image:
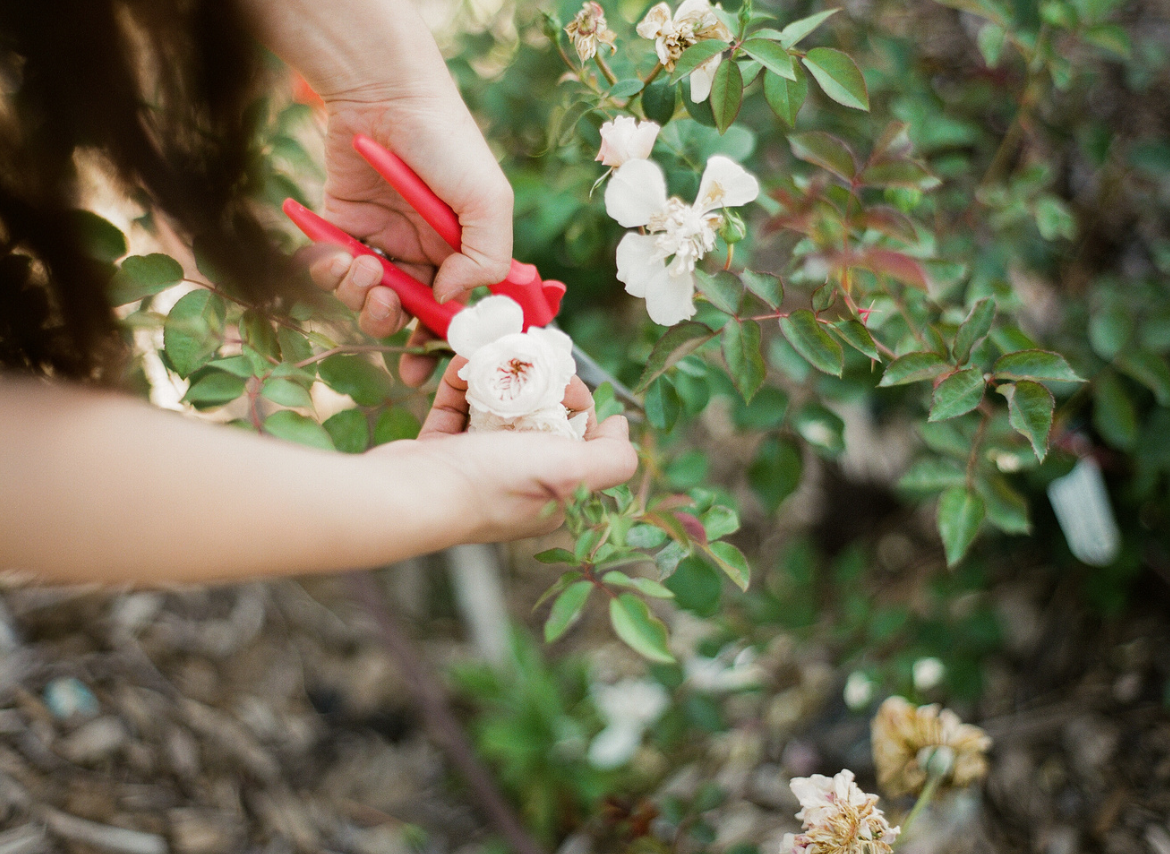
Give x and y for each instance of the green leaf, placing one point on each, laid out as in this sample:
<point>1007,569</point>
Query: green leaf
<point>662,404</point>
<point>772,56</point>
<point>726,94</point>
<point>824,150</point>
<point>214,388</point>
<point>839,77</point>
<point>642,631</point>
<point>905,174</point>
<point>797,30</point>
<point>696,55</point>
<point>238,365</point>
<point>1150,370</point>
<point>821,427</point>
<point>143,276</point>
<point>294,427</point>
<point>366,383</point>
<point>257,332</point>
<point>959,515</point>
<point>557,555</point>
<point>645,537</point>
<point>564,124</point>
<point>294,346</point>
<point>1114,415</point>
<point>697,586</point>
<point>287,393</point>
<point>350,431</point>
<point>1110,329</point>
<point>767,287</point>
<point>973,329</point>
<point>566,609</point>
<point>741,349</point>
<point>558,586</point>
<point>719,521</point>
<point>679,341</point>
<point>1035,365</point>
<point>100,238</point>
<point>626,88</point>
<point>1006,508</point>
<point>723,290</point>
<point>1111,37</point>
<point>1030,407</point>
<point>395,424</point>
<point>957,395</point>
<point>193,331</point>
<point>732,561</point>
<point>854,333</point>
<point>645,586</point>
<point>990,40</point>
<point>785,97</point>
<point>765,412</point>
<point>932,474</point>
<point>659,100</point>
<point>804,333</point>
<point>775,472</point>
<point>700,111</point>
<point>1054,219</point>
<point>912,368</point>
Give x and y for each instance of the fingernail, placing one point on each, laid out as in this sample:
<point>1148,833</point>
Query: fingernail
<point>340,264</point>
<point>366,272</point>
<point>378,308</point>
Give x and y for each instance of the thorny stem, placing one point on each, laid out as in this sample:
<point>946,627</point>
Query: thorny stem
<point>973,457</point>
<point>928,791</point>
<point>1028,100</point>
<point>359,348</point>
<point>208,286</point>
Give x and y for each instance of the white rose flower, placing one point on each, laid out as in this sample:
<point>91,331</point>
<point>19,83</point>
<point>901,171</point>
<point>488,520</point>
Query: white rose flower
<point>629,708</point>
<point>659,266</point>
<point>695,21</point>
<point>624,139</point>
<point>515,380</point>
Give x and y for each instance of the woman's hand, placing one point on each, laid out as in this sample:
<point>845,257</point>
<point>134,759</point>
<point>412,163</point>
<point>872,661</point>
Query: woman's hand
<point>377,68</point>
<point>509,479</point>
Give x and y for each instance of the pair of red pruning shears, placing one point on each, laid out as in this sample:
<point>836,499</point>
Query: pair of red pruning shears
<point>540,300</point>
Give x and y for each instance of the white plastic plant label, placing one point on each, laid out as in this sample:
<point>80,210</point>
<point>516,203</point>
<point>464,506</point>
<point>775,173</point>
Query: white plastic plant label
<point>1082,508</point>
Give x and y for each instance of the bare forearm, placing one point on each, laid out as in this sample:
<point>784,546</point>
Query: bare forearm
<point>372,49</point>
<point>98,487</point>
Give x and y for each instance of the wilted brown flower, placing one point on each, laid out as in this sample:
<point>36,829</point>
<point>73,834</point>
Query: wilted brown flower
<point>911,742</point>
<point>589,29</point>
<point>838,818</point>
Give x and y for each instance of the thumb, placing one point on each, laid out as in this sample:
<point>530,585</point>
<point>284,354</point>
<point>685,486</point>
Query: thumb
<point>486,251</point>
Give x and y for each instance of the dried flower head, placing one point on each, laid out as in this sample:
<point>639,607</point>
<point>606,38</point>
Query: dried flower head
<point>589,29</point>
<point>910,743</point>
<point>838,818</point>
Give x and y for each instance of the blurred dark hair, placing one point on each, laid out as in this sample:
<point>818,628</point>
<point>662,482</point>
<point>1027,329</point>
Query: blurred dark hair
<point>159,89</point>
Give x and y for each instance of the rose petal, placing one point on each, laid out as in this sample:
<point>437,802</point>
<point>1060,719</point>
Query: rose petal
<point>636,192</point>
<point>670,299</point>
<point>488,320</point>
<point>725,184</point>
<point>702,78</point>
<point>636,264</point>
<point>652,23</point>
<point>692,8</point>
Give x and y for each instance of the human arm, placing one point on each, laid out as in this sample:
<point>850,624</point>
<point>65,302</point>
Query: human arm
<point>380,73</point>
<point>101,487</point>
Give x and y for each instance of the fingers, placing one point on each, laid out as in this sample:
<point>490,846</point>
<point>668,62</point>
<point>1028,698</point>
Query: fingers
<point>610,459</point>
<point>355,281</point>
<point>449,413</point>
<point>578,399</point>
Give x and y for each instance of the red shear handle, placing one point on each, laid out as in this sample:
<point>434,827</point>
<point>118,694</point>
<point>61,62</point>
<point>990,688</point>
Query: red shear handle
<point>416,298</point>
<point>540,300</point>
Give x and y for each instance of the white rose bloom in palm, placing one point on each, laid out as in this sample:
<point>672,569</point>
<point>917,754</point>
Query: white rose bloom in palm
<point>659,266</point>
<point>624,139</point>
<point>515,379</point>
<point>695,21</point>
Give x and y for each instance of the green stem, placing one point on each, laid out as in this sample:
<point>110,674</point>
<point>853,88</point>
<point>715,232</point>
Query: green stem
<point>928,791</point>
<point>654,72</point>
<point>606,71</point>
